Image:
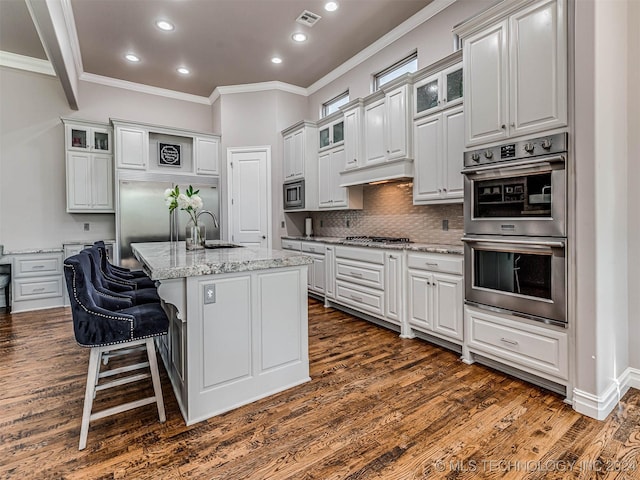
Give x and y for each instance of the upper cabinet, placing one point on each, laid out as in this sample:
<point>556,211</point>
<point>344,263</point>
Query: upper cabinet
<point>331,131</point>
<point>207,155</point>
<point>299,151</point>
<point>515,70</point>
<point>440,90</point>
<point>353,112</point>
<point>132,147</point>
<point>89,167</point>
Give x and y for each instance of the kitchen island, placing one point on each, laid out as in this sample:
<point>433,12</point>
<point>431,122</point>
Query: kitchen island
<point>238,323</point>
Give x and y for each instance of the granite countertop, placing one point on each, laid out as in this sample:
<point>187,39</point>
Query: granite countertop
<point>413,247</point>
<point>27,251</point>
<point>163,261</point>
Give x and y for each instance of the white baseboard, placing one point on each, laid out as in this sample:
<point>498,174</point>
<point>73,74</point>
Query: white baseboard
<point>599,406</point>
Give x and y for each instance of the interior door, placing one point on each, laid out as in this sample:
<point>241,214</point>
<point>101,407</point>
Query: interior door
<point>250,196</point>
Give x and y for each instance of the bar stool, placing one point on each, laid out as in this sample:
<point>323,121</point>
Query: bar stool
<point>140,278</point>
<point>5,282</point>
<point>111,325</point>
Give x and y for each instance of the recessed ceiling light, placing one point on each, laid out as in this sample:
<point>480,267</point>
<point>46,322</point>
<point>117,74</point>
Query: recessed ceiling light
<point>164,25</point>
<point>183,71</point>
<point>276,60</point>
<point>132,58</point>
<point>299,37</point>
<point>331,6</point>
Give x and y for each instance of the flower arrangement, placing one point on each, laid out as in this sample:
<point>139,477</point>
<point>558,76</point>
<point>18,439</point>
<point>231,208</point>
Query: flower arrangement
<point>189,201</point>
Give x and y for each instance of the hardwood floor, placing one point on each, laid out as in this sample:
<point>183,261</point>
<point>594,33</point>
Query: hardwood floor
<point>378,407</point>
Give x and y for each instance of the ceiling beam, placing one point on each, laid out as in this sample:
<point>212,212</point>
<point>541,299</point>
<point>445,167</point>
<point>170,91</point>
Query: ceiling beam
<point>49,20</point>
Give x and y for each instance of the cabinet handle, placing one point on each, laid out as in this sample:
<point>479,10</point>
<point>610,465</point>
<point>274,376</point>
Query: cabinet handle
<point>355,274</point>
<point>41,289</point>
<point>431,264</point>
<point>513,125</point>
<point>356,298</point>
<point>503,126</point>
<point>388,151</point>
<point>393,257</point>
<point>37,267</point>
<point>510,342</point>
<point>444,100</point>
<point>439,102</point>
<point>444,189</point>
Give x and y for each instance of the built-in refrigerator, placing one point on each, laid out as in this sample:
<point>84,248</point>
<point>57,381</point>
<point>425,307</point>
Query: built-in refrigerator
<point>143,216</point>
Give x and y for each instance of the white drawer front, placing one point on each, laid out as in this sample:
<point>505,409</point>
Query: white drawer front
<point>538,348</point>
<point>361,273</point>
<point>291,245</point>
<point>313,247</point>
<point>360,298</point>
<point>31,289</point>
<point>436,262</point>
<point>363,254</point>
<point>38,265</point>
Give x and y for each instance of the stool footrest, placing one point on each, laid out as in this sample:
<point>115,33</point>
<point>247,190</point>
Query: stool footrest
<point>128,368</point>
<point>122,408</point>
<point>122,381</point>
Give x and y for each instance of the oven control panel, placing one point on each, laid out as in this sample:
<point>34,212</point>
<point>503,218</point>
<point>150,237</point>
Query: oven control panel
<point>534,147</point>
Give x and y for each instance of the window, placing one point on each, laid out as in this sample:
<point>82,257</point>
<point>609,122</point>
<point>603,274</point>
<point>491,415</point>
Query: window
<point>336,102</point>
<point>406,65</point>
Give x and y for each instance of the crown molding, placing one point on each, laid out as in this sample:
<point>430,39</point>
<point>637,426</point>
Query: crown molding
<point>21,62</point>
<point>139,87</point>
<point>261,87</point>
<point>405,27</point>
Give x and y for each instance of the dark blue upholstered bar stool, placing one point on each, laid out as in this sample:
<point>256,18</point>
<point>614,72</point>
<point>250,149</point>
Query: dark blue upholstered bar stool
<point>140,278</point>
<point>106,324</point>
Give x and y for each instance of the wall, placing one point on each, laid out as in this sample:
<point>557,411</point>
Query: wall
<point>433,41</point>
<point>389,212</point>
<point>633,179</point>
<point>32,162</point>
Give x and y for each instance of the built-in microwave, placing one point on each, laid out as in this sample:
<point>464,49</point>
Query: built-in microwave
<point>293,192</point>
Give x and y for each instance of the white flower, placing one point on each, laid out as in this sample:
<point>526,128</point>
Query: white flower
<point>168,193</point>
<point>196,202</point>
<point>183,201</point>
<point>168,201</point>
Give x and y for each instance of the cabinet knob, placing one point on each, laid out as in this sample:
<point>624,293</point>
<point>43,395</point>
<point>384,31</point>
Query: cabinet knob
<point>444,189</point>
<point>444,100</point>
<point>513,125</point>
<point>503,126</point>
<point>388,151</point>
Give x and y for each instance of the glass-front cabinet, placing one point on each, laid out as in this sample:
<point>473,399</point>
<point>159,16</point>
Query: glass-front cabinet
<point>331,134</point>
<point>440,90</point>
<point>90,139</point>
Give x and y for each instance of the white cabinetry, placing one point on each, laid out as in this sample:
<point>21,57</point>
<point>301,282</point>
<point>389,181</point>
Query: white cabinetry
<point>330,194</point>
<point>439,145</point>
<point>353,134</point>
<point>435,295</point>
<point>89,167</point>
<point>315,271</point>
<point>515,70</point>
<point>331,131</point>
<point>132,147</point>
<point>441,90</point>
<point>386,127</point>
<point>207,155</point>
<point>330,272</point>
<point>300,159</point>
<point>37,281</point>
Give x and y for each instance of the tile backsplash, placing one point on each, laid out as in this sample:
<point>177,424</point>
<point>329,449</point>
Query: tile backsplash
<point>389,212</point>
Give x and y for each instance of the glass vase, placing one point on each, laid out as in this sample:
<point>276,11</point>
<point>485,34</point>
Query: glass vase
<point>195,236</point>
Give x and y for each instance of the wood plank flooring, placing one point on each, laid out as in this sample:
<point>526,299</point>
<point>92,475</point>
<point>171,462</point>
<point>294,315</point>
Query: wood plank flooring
<point>378,407</point>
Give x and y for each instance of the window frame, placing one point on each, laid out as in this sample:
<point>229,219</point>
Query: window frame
<point>375,83</point>
<point>331,102</point>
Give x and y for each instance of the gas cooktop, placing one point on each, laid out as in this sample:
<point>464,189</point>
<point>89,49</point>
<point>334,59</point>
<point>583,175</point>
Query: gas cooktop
<point>368,239</point>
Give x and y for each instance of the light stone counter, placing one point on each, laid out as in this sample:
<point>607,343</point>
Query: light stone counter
<point>414,247</point>
<point>162,261</point>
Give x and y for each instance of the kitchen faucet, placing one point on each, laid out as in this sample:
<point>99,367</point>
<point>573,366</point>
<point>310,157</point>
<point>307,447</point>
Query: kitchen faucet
<point>213,216</point>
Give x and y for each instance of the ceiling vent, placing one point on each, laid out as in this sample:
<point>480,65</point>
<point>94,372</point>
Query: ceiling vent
<point>308,18</point>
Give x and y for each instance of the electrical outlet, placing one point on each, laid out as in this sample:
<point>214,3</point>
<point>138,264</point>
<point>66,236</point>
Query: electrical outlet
<point>445,224</point>
<point>282,224</point>
<point>209,292</point>
<point>348,223</point>
<point>322,223</point>
<point>87,227</point>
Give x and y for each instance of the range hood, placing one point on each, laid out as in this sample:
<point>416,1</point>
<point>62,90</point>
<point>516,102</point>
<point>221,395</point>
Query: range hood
<point>380,172</point>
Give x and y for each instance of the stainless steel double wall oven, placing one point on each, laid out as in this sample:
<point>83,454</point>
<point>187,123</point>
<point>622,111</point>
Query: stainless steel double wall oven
<point>515,228</point>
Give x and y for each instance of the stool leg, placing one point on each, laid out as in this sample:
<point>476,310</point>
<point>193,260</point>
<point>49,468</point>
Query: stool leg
<point>92,375</point>
<point>155,377</point>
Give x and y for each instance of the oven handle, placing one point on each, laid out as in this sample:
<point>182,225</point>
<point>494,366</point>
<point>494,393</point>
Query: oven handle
<point>542,162</point>
<point>544,243</point>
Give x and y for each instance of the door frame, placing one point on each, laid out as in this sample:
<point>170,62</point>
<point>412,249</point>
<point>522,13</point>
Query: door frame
<point>260,148</point>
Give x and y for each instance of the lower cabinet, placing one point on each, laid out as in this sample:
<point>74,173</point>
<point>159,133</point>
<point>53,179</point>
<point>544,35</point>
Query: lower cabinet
<point>315,271</point>
<point>37,281</point>
<point>435,295</point>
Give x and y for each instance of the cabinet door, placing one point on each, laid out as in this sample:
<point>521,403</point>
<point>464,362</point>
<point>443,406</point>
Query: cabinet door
<point>485,77</point>
<point>132,148</point>
<point>396,123</point>
<point>329,272</point>
<point>78,181</point>
<point>77,137</point>
<point>428,94</point>
<point>324,181</point>
<point>452,85</point>
<point>452,155</point>
<point>428,146</point>
<point>538,61</point>
<point>351,139</point>
<point>393,273</point>
<point>318,274</point>
<point>338,193</point>
<point>207,156</point>
<point>447,305</point>
<point>102,183</point>
<point>420,308</point>
<point>298,155</point>
<point>374,136</point>
<point>101,140</point>
<point>337,133</point>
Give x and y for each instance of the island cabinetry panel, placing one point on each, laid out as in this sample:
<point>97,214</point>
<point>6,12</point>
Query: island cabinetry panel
<point>37,282</point>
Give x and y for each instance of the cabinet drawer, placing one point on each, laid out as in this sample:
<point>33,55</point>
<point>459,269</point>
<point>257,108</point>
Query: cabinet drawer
<point>360,298</point>
<point>313,247</point>
<point>372,255</point>
<point>361,273</point>
<point>29,266</point>
<point>291,245</point>
<point>435,262</point>
<point>538,348</point>
<point>30,289</point>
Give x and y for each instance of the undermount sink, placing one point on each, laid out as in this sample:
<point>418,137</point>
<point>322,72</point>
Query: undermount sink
<point>221,245</point>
